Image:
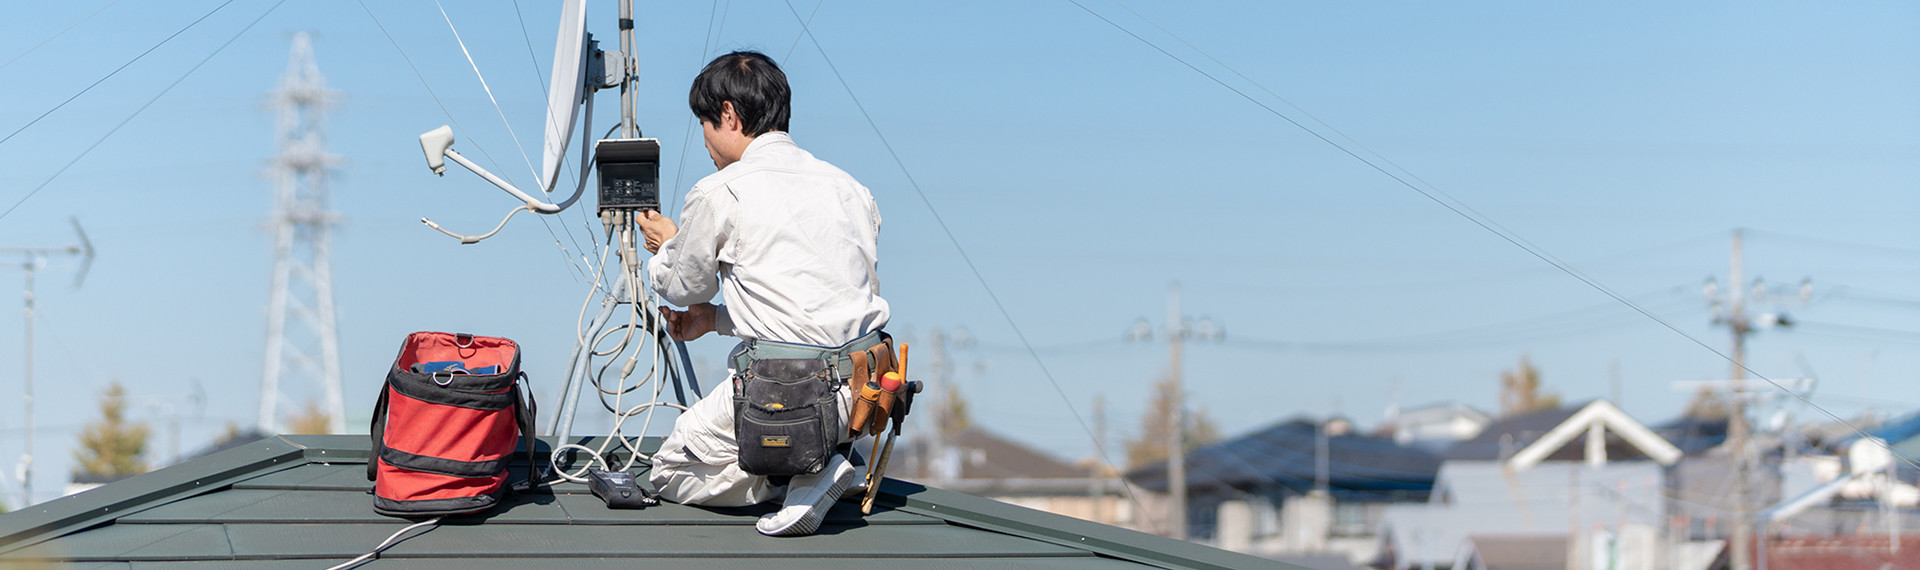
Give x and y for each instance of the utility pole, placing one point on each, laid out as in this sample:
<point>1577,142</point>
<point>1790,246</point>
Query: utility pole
<point>34,258</point>
<point>939,369</point>
<point>1177,418</point>
<point>1320,457</point>
<point>26,457</point>
<point>1739,434</point>
<point>1613,384</point>
<point>1737,420</point>
<point>1098,488</point>
<point>1177,330</point>
<point>302,228</point>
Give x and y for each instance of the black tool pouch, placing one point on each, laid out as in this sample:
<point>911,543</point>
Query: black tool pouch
<point>785,415</point>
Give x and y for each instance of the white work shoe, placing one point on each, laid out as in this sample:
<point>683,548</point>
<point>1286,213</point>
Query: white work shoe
<point>859,485</point>
<point>808,499</point>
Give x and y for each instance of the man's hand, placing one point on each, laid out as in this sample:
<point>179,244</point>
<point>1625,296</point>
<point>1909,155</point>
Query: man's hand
<point>658,229</point>
<point>690,324</point>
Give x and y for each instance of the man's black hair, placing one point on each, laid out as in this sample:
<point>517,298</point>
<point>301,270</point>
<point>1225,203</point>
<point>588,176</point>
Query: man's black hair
<point>757,88</point>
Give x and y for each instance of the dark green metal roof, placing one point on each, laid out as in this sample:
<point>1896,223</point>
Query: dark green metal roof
<point>301,502</point>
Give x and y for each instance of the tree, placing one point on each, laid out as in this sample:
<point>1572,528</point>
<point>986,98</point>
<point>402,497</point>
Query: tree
<point>310,420</point>
<point>1520,390</point>
<point>111,448</point>
<point>1708,404</point>
<point>1149,446</point>
<point>950,414</point>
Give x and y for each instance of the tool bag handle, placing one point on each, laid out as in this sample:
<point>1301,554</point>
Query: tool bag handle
<point>524,412</point>
<point>379,432</point>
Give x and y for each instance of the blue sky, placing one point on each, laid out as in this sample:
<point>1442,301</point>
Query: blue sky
<point>1081,170</point>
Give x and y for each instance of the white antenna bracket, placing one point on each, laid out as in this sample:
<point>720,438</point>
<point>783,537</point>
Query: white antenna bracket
<point>607,70</point>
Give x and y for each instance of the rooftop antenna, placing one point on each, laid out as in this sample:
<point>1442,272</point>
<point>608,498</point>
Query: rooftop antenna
<point>629,184</point>
<point>34,259</point>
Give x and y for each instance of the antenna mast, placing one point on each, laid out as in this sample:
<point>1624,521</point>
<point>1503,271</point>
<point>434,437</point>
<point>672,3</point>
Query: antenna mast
<point>35,257</point>
<point>302,248</point>
<point>629,186</point>
<point>629,127</point>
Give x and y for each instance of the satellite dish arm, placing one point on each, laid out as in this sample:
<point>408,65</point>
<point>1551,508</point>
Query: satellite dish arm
<point>438,145</point>
<point>533,204</point>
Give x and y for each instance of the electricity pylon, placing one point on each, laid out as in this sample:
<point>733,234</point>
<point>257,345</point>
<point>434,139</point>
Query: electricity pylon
<point>302,273</point>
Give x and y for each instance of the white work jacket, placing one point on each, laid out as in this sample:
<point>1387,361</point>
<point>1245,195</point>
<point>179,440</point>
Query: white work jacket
<point>791,240</point>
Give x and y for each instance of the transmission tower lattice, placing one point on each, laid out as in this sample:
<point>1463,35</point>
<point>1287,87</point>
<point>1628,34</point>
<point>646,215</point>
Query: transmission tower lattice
<point>302,293</point>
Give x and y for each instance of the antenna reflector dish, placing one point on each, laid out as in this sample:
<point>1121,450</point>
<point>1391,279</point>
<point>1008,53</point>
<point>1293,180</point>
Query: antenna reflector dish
<point>566,90</point>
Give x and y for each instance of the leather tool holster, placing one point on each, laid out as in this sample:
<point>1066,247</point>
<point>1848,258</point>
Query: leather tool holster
<point>872,405</point>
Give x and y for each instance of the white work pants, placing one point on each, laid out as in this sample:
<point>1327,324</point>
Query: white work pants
<point>699,463</point>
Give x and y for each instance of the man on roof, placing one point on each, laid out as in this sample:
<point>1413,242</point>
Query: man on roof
<point>792,242</point>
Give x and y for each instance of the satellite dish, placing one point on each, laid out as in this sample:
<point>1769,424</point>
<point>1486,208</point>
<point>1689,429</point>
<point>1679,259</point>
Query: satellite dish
<point>566,89</point>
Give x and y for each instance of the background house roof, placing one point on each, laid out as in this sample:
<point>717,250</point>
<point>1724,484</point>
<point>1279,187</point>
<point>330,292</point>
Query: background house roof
<point>1612,424</point>
<point>302,498</point>
<point>1508,435</point>
<point>1284,455</point>
<point>980,462</point>
<point>1520,552</point>
<point>1693,435</point>
<point>981,454</point>
<point>1488,497</point>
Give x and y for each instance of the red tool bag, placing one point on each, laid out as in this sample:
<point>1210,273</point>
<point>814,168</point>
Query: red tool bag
<point>448,421</point>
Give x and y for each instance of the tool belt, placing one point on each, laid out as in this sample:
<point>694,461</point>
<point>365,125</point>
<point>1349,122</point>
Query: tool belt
<point>786,403</point>
<point>872,404</point>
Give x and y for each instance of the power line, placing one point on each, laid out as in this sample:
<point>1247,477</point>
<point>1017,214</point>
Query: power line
<point>489,90</point>
<point>116,128</point>
<point>431,93</point>
<point>540,79</point>
<point>1490,334</point>
<point>1840,244</point>
<point>1484,222</point>
<point>1479,335</point>
<point>565,161</point>
<point>686,134</point>
<point>1060,347</point>
<point>1004,313</point>
<point>1869,402</point>
<point>1846,292</point>
<point>1403,345</point>
<point>531,58</point>
<point>58,34</point>
<point>115,71</point>
<point>539,180</point>
<point>804,26</point>
<point>1854,339</point>
<point>1451,202</point>
<point>1911,336</point>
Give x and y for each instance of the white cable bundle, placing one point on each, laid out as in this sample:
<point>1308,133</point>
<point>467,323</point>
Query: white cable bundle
<point>634,272</point>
